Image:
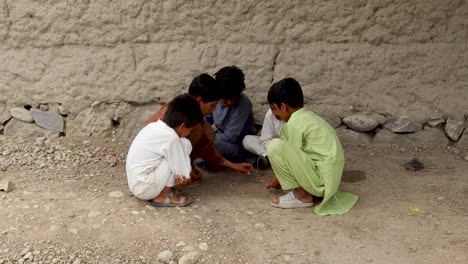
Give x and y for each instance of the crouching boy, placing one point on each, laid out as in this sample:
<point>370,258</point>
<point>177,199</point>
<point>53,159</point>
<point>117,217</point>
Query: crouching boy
<point>158,157</point>
<point>308,158</point>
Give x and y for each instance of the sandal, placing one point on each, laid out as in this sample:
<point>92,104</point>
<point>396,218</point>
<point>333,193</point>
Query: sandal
<point>289,201</point>
<point>167,202</point>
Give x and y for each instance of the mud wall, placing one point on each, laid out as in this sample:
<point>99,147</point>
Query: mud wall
<point>111,63</point>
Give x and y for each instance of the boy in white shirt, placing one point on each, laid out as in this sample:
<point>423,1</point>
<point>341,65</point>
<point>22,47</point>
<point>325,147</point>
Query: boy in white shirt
<point>258,144</point>
<point>158,158</point>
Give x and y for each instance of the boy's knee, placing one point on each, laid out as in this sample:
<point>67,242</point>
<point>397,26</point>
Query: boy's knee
<point>275,146</point>
<point>249,140</point>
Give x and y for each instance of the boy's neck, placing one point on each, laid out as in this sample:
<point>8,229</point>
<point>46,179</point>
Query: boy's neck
<point>292,110</point>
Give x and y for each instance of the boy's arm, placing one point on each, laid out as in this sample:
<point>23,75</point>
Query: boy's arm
<point>179,160</point>
<point>237,120</point>
<point>268,128</point>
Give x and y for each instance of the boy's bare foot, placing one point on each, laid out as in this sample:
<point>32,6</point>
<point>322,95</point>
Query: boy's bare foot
<point>273,183</point>
<point>300,194</point>
<point>166,193</point>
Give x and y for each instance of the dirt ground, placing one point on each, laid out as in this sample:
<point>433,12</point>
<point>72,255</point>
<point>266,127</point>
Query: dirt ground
<point>73,211</point>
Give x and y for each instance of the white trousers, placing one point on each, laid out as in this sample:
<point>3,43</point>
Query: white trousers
<point>151,184</point>
<point>255,145</point>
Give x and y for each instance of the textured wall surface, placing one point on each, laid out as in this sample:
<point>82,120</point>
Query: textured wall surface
<point>387,56</point>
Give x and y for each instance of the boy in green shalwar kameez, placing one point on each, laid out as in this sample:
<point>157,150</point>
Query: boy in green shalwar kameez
<point>308,158</point>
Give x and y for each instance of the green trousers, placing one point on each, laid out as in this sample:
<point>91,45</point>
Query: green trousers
<point>294,168</point>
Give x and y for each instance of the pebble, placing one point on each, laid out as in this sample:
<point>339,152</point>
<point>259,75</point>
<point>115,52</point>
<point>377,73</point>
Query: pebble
<point>203,246</point>
<point>259,225</point>
<point>190,258</point>
<point>188,249</point>
<point>466,157</point>
<point>199,217</point>
<point>28,255</point>
<point>287,258</point>
<point>93,214</point>
<point>181,244</point>
<point>116,194</point>
<point>166,256</point>
<point>25,250</point>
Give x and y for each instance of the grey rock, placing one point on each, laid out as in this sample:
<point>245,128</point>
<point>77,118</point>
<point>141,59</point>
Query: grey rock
<point>463,142</point>
<point>166,256</point>
<point>21,114</point>
<point>381,119</point>
<point>454,129</point>
<point>4,117</point>
<point>435,120</point>
<point>429,137</point>
<point>350,137</point>
<point>333,120</point>
<point>91,122</point>
<point>403,124</point>
<point>23,129</point>
<point>190,258</point>
<point>48,120</point>
<point>7,186</point>
<point>360,122</point>
<point>44,107</point>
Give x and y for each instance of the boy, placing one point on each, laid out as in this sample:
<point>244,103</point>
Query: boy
<point>207,94</point>
<point>258,144</point>
<point>159,155</point>
<point>233,116</point>
<point>308,159</point>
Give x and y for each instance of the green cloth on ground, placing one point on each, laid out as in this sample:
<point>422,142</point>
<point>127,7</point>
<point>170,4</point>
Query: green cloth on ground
<point>309,155</point>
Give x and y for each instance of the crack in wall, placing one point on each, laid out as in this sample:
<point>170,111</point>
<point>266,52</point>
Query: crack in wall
<point>9,23</point>
<point>273,66</point>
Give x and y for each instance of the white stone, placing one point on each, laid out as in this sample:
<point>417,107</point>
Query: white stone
<point>203,246</point>
<point>21,114</point>
<point>259,225</point>
<point>166,256</point>
<point>94,213</point>
<point>188,249</point>
<point>7,186</point>
<point>360,122</point>
<point>116,194</point>
<point>190,258</point>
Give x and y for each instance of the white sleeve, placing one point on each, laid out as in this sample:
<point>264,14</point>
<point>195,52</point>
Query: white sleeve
<point>268,129</point>
<point>178,158</point>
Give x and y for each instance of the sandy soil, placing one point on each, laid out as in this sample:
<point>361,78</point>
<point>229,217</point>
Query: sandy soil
<point>72,214</point>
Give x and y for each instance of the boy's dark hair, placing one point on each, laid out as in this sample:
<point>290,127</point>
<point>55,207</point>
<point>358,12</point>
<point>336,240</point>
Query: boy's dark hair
<point>230,80</point>
<point>183,109</point>
<point>205,86</point>
<point>287,91</point>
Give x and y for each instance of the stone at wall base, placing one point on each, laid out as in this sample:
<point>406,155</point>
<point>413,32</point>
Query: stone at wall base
<point>22,129</point>
<point>350,137</point>
<point>463,142</point>
<point>360,122</point>
<point>454,129</point>
<point>427,137</point>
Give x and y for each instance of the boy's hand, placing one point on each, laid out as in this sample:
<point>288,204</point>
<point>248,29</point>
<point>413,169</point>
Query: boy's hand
<point>273,183</point>
<point>245,167</point>
<point>181,180</point>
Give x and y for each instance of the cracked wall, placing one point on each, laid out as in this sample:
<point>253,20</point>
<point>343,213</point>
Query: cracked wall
<point>391,57</point>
